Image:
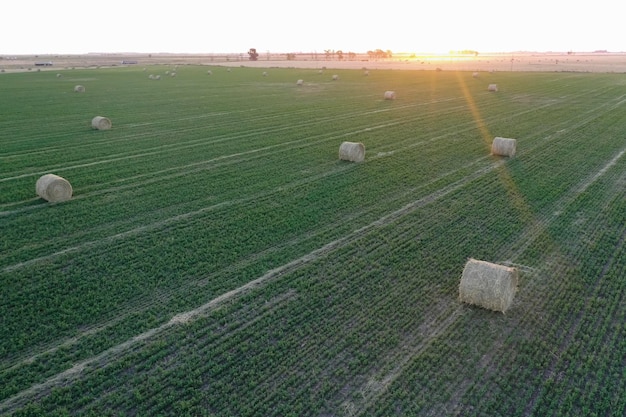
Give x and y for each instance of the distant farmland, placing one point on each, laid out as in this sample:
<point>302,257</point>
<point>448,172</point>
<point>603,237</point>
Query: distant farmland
<point>218,259</point>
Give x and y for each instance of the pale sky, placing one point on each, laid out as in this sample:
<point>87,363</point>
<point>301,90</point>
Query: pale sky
<point>196,26</point>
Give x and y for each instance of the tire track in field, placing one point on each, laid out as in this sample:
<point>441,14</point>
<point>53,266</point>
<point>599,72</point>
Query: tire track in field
<point>147,228</point>
<point>200,165</point>
<point>248,261</point>
<point>377,384</point>
<point>540,225</point>
<point>491,363</point>
<point>203,141</point>
<point>64,378</point>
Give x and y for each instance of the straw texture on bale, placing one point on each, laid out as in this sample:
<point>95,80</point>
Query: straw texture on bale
<point>79,88</point>
<point>488,285</point>
<point>492,87</point>
<point>503,147</point>
<point>352,151</point>
<point>101,123</point>
<point>53,188</point>
<point>390,95</point>
<point>299,82</point>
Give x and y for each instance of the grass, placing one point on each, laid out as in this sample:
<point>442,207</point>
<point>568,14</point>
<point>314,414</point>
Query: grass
<point>218,259</point>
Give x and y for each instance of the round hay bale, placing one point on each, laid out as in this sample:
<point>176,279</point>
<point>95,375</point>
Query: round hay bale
<point>335,77</point>
<point>101,123</point>
<point>209,72</point>
<point>157,77</point>
<point>79,89</point>
<point>299,82</point>
<point>320,71</point>
<point>167,73</point>
<point>488,285</point>
<point>503,147</point>
<point>390,95</point>
<point>58,75</point>
<point>53,188</point>
<point>352,151</point>
<point>492,87</point>
<point>366,73</point>
<point>475,75</point>
<point>265,73</point>
<point>173,74</point>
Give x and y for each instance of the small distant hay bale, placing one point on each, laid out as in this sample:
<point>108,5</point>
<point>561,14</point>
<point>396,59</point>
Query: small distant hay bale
<point>503,147</point>
<point>352,151</point>
<point>101,123</point>
<point>228,70</point>
<point>265,73</point>
<point>209,72</point>
<point>173,74</point>
<point>320,71</point>
<point>492,87</point>
<point>475,75</point>
<point>167,73</point>
<point>390,95</point>
<point>58,75</point>
<point>366,73</point>
<point>79,88</point>
<point>157,77</point>
<point>335,77</point>
<point>488,285</point>
<point>53,188</point>
<point>151,76</point>
<point>299,82</point>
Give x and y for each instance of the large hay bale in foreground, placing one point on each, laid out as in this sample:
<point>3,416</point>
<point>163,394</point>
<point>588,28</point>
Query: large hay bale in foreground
<point>390,95</point>
<point>352,151</point>
<point>503,146</point>
<point>492,87</point>
<point>488,285</point>
<point>53,188</point>
<point>101,123</point>
<point>79,89</point>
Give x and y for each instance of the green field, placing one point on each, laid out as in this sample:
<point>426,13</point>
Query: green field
<point>218,259</point>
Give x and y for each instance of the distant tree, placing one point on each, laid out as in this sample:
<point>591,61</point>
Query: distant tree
<point>339,55</point>
<point>291,56</point>
<point>253,54</point>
